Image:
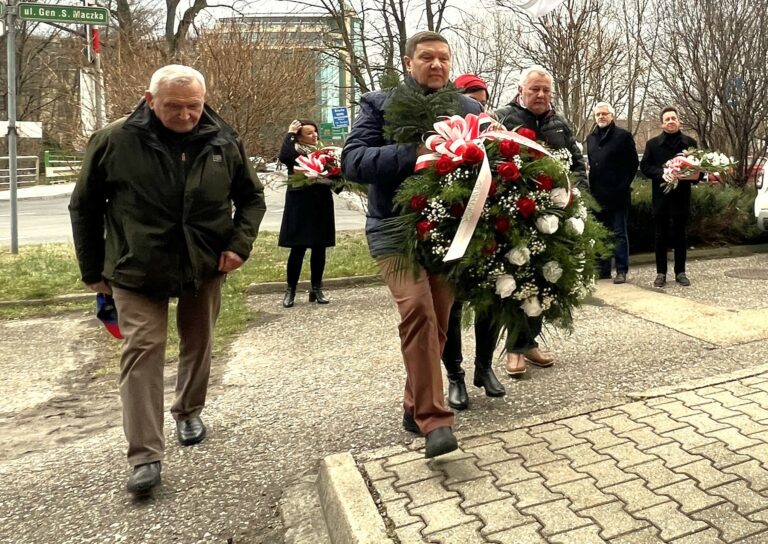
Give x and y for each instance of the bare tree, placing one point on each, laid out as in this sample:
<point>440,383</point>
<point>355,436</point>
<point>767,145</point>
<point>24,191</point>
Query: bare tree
<point>711,61</point>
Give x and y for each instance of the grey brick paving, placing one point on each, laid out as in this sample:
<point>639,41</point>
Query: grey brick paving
<point>688,468</point>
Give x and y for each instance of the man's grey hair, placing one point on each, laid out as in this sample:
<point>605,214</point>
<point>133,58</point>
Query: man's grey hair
<point>604,105</point>
<point>175,73</point>
<point>534,70</point>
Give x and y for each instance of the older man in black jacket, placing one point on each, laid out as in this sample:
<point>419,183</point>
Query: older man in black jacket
<point>612,167</point>
<point>423,302</point>
<point>532,108</point>
<point>672,206</point>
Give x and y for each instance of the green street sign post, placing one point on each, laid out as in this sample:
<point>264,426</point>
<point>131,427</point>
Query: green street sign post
<point>2,9</point>
<point>51,13</point>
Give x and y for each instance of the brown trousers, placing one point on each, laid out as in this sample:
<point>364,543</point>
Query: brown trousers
<point>144,324</point>
<point>424,303</point>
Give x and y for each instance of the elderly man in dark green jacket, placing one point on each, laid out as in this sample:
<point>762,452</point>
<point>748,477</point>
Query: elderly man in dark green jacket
<point>152,218</point>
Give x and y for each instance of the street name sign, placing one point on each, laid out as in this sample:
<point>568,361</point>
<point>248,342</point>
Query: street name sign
<point>340,117</point>
<point>51,13</point>
<point>2,9</point>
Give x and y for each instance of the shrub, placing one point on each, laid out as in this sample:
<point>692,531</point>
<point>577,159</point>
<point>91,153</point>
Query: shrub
<point>719,215</point>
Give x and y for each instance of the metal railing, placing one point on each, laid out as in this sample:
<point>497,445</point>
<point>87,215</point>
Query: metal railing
<point>61,168</point>
<point>27,171</point>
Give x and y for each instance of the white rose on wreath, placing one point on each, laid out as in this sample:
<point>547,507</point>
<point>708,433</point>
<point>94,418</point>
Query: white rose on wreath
<point>575,225</point>
<point>505,285</point>
<point>552,271</point>
<point>518,256</point>
<point>532,307</point>
<point>547,224</point>
<point>560,197</point>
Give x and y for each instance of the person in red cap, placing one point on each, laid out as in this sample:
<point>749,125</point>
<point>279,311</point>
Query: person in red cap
<point>485,342</point>
<point>474,87</point>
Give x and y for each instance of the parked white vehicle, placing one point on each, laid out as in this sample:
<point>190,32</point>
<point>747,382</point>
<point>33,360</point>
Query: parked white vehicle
<point>761,200</point>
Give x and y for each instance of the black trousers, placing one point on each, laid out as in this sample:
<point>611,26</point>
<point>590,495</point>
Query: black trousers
<point>486,338</point>
<point>663,235</point>
<point>316,265</point>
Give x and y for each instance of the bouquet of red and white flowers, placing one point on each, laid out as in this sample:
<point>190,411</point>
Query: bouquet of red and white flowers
<point>494,211</point>
<point>694,161</point>
<point>321,166</point>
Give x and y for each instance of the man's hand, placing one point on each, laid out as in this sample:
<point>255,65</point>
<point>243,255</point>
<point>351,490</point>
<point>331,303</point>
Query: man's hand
<point>422,150</point>
<point>229,261</point>
<point>100,287</point>
<point>670,177</point>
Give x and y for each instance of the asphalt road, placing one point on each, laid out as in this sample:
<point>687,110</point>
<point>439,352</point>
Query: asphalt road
<point>47,220</point>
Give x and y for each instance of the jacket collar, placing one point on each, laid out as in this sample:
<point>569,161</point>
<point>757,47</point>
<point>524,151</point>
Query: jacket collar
<point>211,126</point>
<point>518,103</point>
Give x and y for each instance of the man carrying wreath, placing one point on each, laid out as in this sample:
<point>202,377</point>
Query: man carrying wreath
<point>423,300</point>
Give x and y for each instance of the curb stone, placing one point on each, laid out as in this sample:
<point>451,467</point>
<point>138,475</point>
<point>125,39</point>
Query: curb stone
<point>351,515</point>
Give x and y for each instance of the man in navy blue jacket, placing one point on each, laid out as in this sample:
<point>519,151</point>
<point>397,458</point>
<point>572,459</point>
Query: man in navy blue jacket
<point>424,302</point>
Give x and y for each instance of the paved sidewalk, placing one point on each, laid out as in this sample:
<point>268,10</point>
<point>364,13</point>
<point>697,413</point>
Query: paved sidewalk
<point>41,192</point>
<point>687,467</point>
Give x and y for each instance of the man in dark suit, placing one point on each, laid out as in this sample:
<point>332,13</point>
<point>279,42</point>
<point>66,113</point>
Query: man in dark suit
<point>673,206</point>
<point>612,167</point>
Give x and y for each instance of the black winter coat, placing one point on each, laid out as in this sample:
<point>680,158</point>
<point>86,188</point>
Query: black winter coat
<point>308,216</point>
<point>612,166</point>
<point>659,150</point>
<point>370,158</point>
<point>550,128</point>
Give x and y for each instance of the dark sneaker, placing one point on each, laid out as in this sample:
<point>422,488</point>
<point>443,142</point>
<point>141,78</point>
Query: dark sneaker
<point>660,281</point>
<point>682,279</point>
<point>621,277</point>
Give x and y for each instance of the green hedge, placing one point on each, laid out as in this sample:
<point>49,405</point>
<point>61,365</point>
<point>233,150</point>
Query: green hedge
<point>719,216</point>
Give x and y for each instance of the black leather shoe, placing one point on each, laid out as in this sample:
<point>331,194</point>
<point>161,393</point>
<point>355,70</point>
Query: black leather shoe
<point>457,393</point>
<point>190,431</point>
<point>144,478</point>
<point>682,279</point>
<point>660,281</point>
<point>439,442</point>
<point>289,297</point>
<point>409,424</point>
<point>621,277</point>
<point>485,378</point>
<point>316,295</point>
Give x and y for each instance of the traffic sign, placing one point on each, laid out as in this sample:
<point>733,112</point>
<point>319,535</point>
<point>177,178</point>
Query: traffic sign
<point>340,117</point>
<point>50,13</point>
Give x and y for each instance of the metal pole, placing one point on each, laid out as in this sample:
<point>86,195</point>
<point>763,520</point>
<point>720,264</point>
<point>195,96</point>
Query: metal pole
<point>94,48</point>
<point>11,58</point>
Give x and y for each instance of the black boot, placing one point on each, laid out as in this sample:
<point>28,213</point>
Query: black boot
<point>484,377</point>
<point>457,391</point>
<point>316,295</point>
<point>289,297</point>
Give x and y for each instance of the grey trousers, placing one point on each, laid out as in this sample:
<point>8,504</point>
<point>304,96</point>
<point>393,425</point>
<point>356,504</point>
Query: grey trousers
<point>144,324</point>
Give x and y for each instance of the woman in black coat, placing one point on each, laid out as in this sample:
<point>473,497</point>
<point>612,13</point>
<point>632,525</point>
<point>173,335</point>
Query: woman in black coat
<point>308,218</point>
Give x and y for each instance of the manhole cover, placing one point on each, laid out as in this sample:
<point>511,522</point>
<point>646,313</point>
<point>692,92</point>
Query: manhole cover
<point>748,273</point>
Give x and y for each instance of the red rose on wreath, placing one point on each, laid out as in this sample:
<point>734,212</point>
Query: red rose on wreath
<point>472,154</point>
<point>493,188</point>
<point>527,133</point>
<point>418,202</point>
<point>508,171</point>
<point>526,206</point>
<point>535,153</point>
<point>509,149</point>
<point>501,224</point>
<point>444,165</point>
<point>544,183</point>
<point>489,248</point>
<point>423,227</point>
<point>334,171</point>
<point>457,209</point>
